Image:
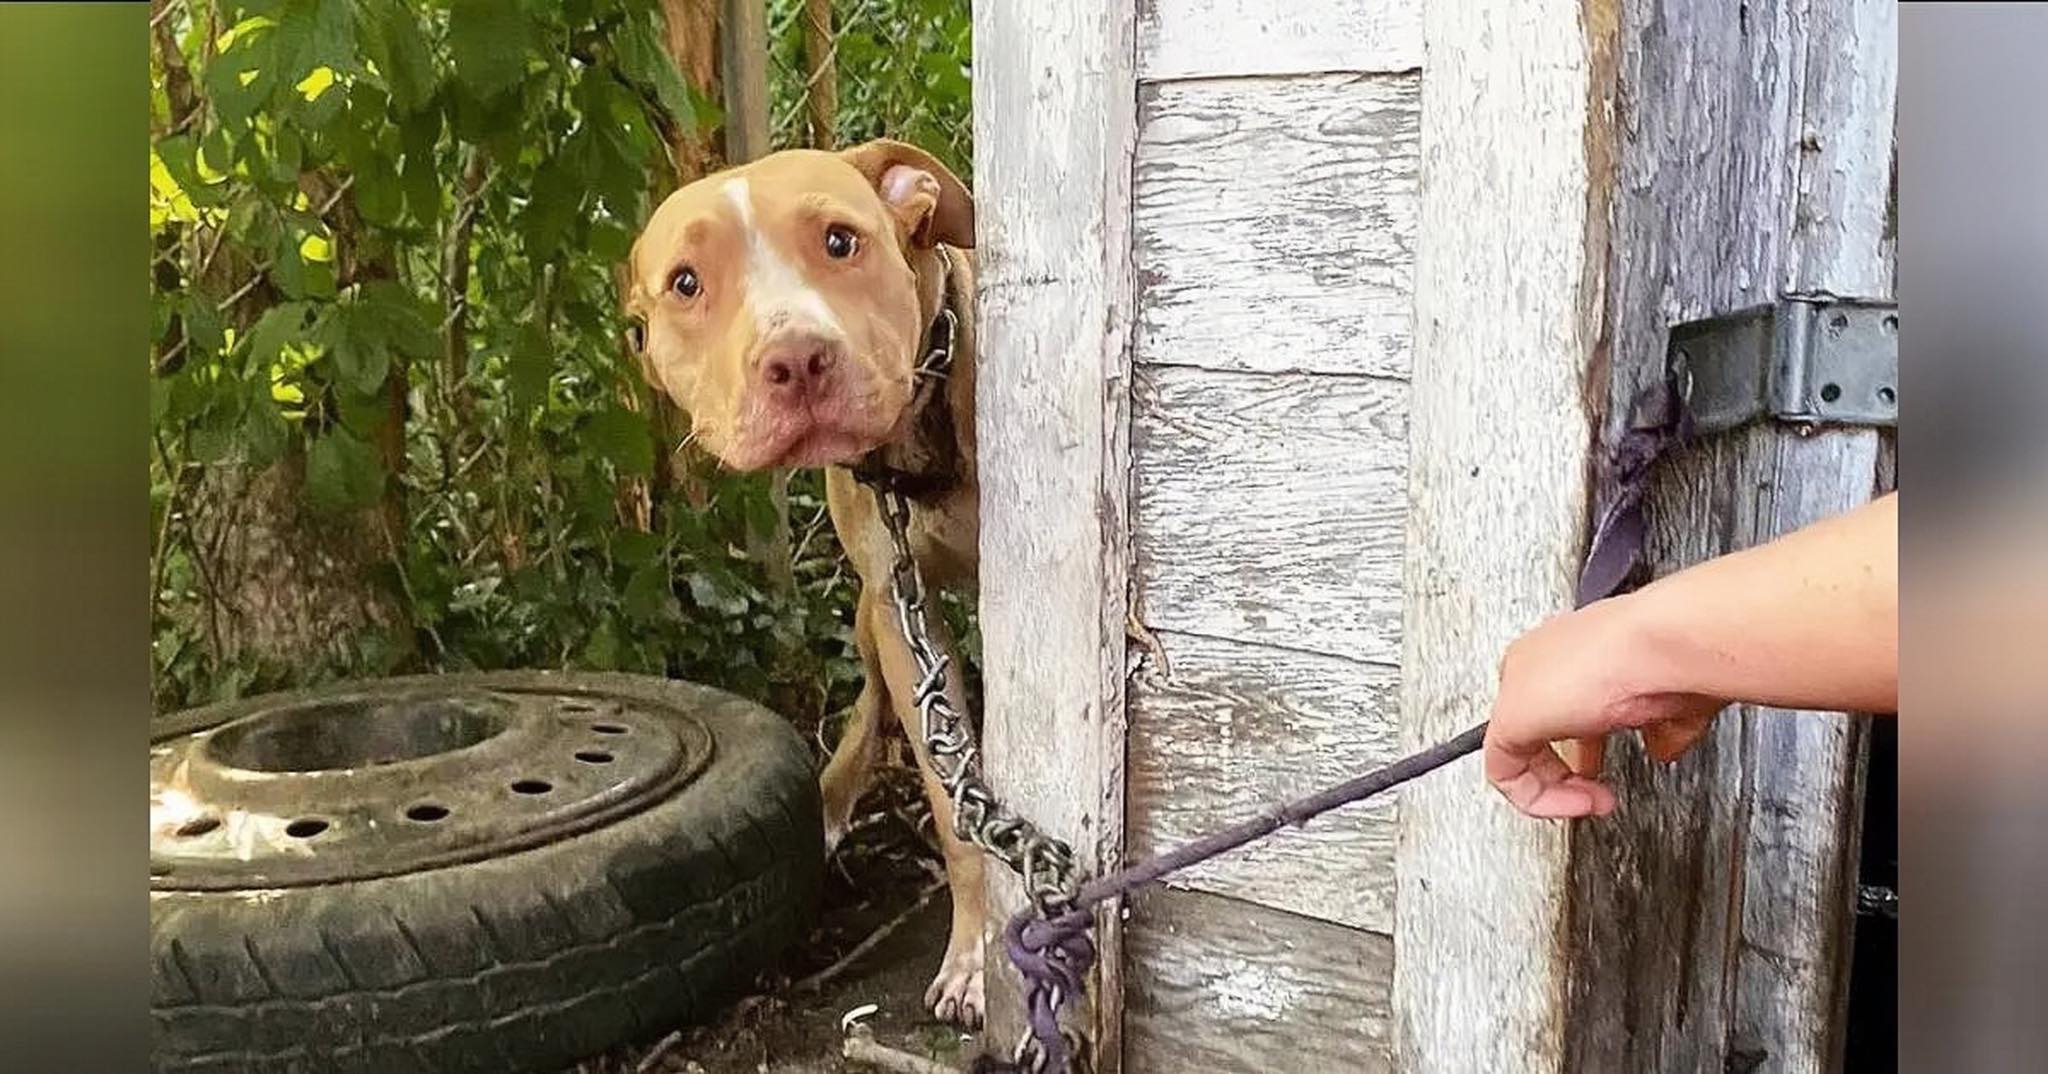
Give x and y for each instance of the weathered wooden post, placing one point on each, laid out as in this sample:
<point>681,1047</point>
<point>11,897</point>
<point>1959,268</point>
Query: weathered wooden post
<point>1054,130</point>
<point>1713,915</point>
<point>1516,159</point>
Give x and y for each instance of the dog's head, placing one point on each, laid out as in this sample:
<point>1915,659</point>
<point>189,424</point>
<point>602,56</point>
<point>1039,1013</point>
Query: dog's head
<point>784,303</point>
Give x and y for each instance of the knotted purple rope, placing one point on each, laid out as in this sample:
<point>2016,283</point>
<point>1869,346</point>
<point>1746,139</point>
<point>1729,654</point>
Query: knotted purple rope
<point>1054,954</point>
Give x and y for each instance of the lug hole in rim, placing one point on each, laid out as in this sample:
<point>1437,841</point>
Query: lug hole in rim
<point>593,756</point>
<point>532,786</point>
<point>306,827</point>
<point>427,813</point>
<point>608,729</point>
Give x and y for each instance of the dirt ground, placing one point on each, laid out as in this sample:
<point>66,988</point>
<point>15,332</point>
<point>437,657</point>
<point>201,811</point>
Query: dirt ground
<point>884,888</point>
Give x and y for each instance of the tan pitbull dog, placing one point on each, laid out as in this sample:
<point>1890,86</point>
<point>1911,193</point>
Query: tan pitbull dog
<point>786,306</point>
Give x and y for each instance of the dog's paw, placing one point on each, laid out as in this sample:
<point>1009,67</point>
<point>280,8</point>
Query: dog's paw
<point>956,993</point>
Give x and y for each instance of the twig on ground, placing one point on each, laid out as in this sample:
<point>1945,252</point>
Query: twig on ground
<point>651,1062</point>
<point>861,1047</point>
<point>819,979</point>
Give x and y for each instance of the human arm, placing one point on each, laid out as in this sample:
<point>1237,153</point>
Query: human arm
<point>1807,621</point>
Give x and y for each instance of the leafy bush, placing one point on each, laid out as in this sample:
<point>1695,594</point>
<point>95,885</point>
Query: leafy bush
<point>394,427</point>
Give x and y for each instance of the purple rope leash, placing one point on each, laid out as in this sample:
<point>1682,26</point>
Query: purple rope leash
<point>1055,954</point>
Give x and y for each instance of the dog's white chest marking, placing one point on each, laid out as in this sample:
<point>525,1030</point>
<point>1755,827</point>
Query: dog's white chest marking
<point>776,293</point>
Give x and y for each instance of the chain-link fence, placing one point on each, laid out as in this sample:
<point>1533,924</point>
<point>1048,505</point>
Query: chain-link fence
<point>844,71</point>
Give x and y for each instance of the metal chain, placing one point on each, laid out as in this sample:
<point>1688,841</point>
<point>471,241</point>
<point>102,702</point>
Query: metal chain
<point>1047,865</point>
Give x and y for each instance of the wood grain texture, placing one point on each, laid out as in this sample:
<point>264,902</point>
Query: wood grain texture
<point>1276,224</point>
<point>1212,38</point>
<point>1701,214</point>
<point>1507,286</point>
<point>1236,728</point>
<point>1052,419</point>
<point>1269,508</point>
<point>1222,985</point>
<point>1655,886</point>
<point>1805,808</point>
<point>1716,904</point>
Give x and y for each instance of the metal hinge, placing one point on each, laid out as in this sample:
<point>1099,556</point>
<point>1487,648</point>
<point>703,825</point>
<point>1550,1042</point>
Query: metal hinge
<point>1808,360</point>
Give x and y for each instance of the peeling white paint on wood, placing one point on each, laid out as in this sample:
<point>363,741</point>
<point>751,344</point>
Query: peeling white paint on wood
<point>1506,283</point>
<point>1052,421</point>
<point>1222,985</point>
<point>1212,38</point>
<point>1269,509</point>
<point>1238,728</point>
<point>1276,224</point>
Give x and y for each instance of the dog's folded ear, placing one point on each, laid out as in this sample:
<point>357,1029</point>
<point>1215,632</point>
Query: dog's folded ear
<point>929,201</point>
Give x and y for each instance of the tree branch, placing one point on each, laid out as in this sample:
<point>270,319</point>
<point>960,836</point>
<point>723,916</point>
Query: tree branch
<point>455,261</point>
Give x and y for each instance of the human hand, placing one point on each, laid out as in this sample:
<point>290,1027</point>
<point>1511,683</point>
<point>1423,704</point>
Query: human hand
<point>1581,676</point>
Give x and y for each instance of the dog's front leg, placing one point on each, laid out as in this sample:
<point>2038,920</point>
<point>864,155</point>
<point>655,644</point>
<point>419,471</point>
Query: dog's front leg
<point>852,767</point>
<point>956,992</point>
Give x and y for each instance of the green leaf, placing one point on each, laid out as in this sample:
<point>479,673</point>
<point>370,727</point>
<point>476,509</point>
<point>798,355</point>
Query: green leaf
<point>342,473</point>
<point>185,398</point>
<point>557,200</point>
<point>645,60</point>
<point>365,415</point>
<point>360,355</point>
<point>421,175</point>
<point>397,45</point>
<point>635,548</point>
<point>281,324</point>
<point>290,50</point>
<point>252,222</point>
<point>647,594</point>
<point>181,158</point>
<point>378,196</point>
<point>296,276</point>
<point>233,99</point>
<point>202,322</point>
<point>621,436</point>
<point>394,316</point>
<point>601,652</point>
<point>488,39</point>
<point>332,38</point>
<point>529,366</point>
<point>218,150</point>
<point>159,401</point>
<point>211,443</point>
<point>609,242</point>
<point>264,429</point>
<point>287,153</point>
<point>321,111</point>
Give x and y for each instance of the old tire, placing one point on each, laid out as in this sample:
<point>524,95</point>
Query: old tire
<point>524,955</point>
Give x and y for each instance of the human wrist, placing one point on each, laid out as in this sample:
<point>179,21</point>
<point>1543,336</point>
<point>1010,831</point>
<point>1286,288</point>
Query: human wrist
<point>1661,652</point>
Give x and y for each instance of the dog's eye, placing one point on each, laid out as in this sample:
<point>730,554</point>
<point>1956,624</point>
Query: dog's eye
<point>839,242</point>
<point>685,282</point>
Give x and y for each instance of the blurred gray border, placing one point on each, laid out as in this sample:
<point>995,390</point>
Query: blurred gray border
<point>1973,287</point>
